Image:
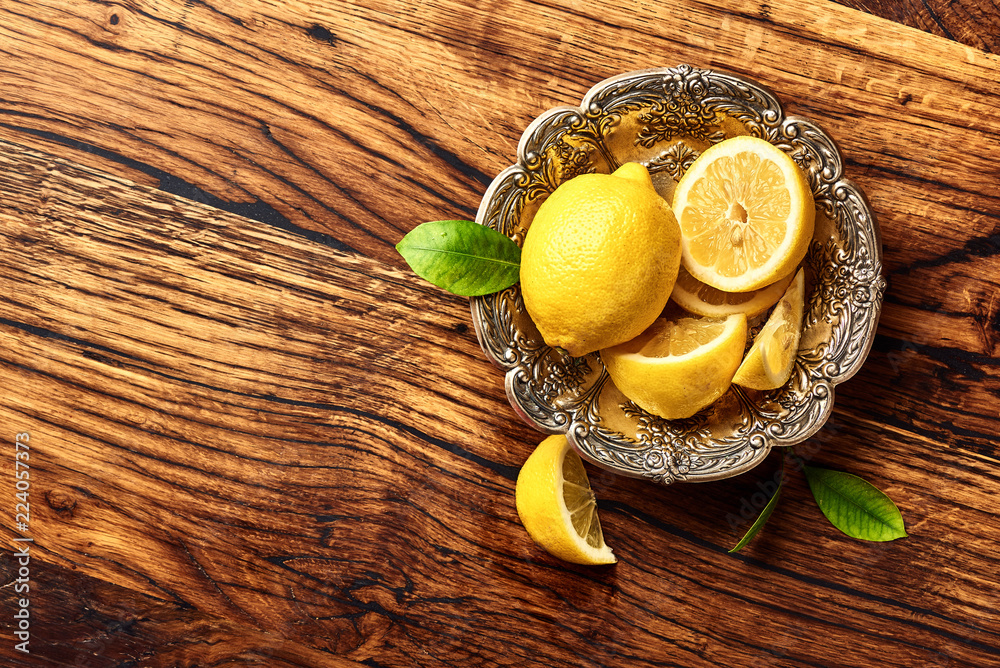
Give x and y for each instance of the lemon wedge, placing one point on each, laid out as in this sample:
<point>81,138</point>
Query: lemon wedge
<point>677,367</point>
<point>769,362</point>
<point>702,299</point>
<point>746,214</point>
<point>557,506</point>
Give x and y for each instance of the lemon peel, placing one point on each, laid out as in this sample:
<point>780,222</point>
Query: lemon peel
<point>599,260</point>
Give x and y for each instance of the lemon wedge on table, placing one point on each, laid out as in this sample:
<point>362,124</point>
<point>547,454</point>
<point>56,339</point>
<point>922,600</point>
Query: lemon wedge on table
<point>746,214</point>
<point>557,506</point>
<point>702,299</point>
<point>769,362</point>
<point>677,367</point>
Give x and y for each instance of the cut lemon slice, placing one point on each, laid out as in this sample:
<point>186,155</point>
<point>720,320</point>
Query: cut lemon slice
<point>769,362</point>
<point>746,214</point>
<point>677,367</point>
<point>557,507</point>
<point>702,299</point>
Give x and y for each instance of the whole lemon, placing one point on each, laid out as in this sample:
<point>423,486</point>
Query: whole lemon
<point>599,260</point>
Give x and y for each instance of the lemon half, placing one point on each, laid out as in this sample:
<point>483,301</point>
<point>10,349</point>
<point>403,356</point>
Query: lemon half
<point>702,299</point>
<point>746,214</point>
<point>677,367</point>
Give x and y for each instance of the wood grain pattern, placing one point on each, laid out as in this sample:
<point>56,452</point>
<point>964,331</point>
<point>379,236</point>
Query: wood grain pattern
<point>970,22</point>
<point>115,626</point>
<point>258,440</point>
<point>335,140</point>
<point>268,431</point>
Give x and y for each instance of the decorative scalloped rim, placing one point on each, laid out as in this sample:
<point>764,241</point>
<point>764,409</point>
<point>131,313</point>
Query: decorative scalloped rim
<point>684,450</point>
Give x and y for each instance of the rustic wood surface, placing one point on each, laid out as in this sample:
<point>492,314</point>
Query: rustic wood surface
<point>257,439</point>
<point>970,22</point>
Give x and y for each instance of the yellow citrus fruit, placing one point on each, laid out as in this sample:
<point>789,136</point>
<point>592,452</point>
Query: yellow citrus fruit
<point>746,214</point>
<point>677,367</point>
<point>702,299</point>
<point>769,362</point>
<point>557,506</point>
<point>599,260</point>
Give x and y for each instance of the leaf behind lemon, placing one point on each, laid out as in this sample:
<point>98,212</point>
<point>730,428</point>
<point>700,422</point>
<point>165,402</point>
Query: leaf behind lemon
<point>462,257</point>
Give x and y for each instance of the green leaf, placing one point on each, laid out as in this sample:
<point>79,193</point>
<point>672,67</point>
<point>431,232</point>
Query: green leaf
<point>761,520</point>
<point>461,256</point>
<point>855,506</point>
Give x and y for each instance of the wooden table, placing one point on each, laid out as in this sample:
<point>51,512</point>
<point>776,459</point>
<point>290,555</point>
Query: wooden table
<point>257,439</point>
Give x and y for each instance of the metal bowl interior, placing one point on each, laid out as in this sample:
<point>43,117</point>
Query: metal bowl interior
<point>664,118</point>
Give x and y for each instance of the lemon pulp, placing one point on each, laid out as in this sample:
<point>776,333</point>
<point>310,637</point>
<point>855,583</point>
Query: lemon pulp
<point>746,214</point>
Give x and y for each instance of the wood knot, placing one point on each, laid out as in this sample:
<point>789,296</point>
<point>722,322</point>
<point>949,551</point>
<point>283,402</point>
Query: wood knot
<point>114,20</point>
<point>321,34</point>
<point>985,311</point>
<point>61,502</point>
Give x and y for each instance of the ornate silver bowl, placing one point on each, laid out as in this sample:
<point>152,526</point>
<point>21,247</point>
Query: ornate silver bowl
<point>664,118</point>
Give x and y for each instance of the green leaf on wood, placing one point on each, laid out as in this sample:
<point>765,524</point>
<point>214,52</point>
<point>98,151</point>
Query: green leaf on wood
<point>761,520</point>
<point>855,506</point>
<point>461,256</point>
